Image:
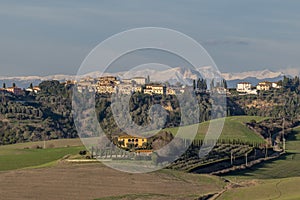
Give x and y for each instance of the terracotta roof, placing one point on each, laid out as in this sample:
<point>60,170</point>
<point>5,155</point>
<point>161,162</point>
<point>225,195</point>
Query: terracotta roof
<point>130,136</point>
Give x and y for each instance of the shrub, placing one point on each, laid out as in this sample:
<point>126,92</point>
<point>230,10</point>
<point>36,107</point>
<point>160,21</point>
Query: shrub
<point>82,152</point>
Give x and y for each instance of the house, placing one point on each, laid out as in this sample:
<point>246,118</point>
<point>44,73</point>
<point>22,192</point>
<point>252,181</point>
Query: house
<point>127,141</point>
<point>155,89</point>
<point>15,90</point>
<point>265,85</point>
<point>243,87</point>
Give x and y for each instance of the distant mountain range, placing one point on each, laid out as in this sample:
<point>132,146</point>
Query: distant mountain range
<point>253,77</point>
<point>173,75</point>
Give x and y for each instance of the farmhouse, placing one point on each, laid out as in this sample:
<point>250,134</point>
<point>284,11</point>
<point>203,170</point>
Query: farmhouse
<point>127,141</point>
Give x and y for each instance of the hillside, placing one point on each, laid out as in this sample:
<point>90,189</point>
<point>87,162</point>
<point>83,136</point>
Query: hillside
<point>284,167</point>
<point>234,129</point>
<point>30,154</point>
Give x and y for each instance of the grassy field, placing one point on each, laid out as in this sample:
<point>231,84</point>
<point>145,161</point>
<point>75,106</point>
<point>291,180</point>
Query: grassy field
<point>18,156</point>
<point>234,128</point>
<point>285,189</point>
<point>278,179</point>
<point>284,167</point>
<point>54,143</point>
<point>92,181</point>
<point>24,155</point>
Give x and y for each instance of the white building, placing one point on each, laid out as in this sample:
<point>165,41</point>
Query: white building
<point>35,89</point>
<point>243,87</point>
<point>275,85</point>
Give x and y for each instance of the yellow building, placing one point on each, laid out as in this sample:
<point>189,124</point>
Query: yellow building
<point>264,85</point>
<point>127,141</point>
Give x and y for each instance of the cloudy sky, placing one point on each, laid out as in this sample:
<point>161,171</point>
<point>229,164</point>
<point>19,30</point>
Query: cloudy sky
<point>54,37</point>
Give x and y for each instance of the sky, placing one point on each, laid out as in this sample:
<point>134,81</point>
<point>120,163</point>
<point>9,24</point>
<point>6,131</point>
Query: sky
<point>54,37</point>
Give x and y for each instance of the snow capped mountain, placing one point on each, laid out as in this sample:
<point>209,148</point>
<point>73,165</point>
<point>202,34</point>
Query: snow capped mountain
<point>254,77</point>
<point>264,74</point>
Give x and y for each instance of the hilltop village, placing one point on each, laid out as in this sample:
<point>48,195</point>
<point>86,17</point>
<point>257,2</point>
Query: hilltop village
<point>113,84</point>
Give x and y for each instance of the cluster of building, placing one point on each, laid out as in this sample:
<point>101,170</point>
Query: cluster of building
<point>19,91</point>
<point>111,84</point>
<point>246,87</point>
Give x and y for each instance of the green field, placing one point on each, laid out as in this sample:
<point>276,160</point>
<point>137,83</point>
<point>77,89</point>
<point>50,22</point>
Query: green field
<point>285,189</point>
<point>24,155</point>
<point>284,167</point>
<point>234,128</point>
<point>278,179</point>
<point>17,156</point>
<point>54,143</point>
